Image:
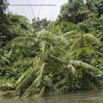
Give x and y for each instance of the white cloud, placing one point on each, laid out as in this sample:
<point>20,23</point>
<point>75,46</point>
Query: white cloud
<point>49,12</point>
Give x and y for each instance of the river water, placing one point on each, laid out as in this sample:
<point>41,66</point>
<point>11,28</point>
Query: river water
<point>80,97</point>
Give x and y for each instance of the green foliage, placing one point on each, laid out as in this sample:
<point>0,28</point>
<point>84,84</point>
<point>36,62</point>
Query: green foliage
<point>74,12</point>
<point>39,24</point>
<point>56,57</point>
<point>83,13</point>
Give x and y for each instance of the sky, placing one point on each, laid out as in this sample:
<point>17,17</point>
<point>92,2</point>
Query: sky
<point>50,9</point>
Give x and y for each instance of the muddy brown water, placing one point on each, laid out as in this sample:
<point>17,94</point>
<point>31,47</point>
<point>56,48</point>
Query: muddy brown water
<point>79,97</point>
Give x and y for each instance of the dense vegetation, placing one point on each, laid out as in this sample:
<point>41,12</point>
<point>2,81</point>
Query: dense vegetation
<point>52,57</point>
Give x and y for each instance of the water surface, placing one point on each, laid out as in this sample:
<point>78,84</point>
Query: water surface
<point>80,97</point>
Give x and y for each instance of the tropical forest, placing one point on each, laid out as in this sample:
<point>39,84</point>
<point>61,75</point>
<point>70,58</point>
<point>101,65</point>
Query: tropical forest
<point>52,57</point>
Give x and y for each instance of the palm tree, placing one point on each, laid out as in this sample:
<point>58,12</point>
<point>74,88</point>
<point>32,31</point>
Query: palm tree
<point>14,26</point>
<point>52,63</point>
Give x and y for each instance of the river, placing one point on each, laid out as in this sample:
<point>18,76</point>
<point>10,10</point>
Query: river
<point>79,97</point>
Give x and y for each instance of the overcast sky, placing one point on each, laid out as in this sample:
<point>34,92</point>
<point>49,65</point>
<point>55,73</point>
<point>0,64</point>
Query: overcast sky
<point>50,12</point>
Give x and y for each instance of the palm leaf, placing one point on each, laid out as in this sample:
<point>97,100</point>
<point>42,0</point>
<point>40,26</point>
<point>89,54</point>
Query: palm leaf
<point>77,44</point>
<point>36,82</point>
<point>22,21</point>
<point>82,64</point>
<point>72,69</point>
<point>27,75</point>
<point>20,41</point>
<point>91,39</point>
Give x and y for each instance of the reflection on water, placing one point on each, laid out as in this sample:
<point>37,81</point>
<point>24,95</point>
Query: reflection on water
<point>81,97</point>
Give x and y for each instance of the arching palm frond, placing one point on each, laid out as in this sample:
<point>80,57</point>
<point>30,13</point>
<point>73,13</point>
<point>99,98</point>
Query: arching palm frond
<point>21,41</point>
<point>28,75</point>
<point>72,34</point>
<point>77,44</point>
<point>44,35</point>
<point>82,64</point>
<point>60,40</point>
<point>16,30</point>
<point>21,21</point>
<point>79,51</point>
<point>36,82</point>
<point>24,62</point>
<point>6,84</point>
<point>91,39</point>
